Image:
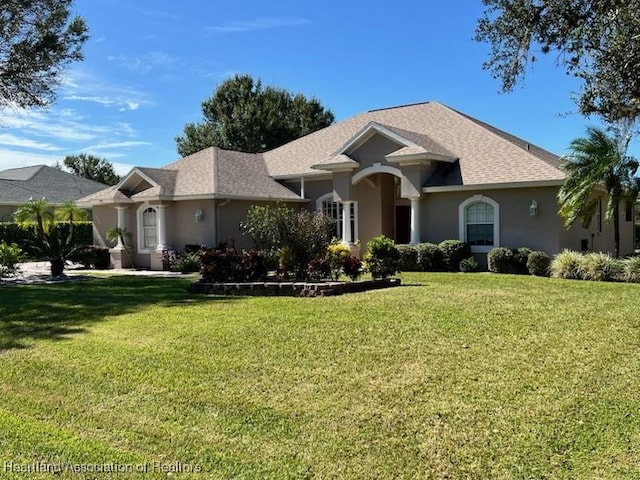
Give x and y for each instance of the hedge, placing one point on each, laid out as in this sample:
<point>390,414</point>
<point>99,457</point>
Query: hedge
<point>24,236</point>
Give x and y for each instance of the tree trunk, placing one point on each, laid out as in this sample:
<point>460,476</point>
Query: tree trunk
<point>57,267</point>
<point>616,227</point>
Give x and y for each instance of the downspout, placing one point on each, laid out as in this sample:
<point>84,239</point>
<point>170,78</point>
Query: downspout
<point>301,187</point>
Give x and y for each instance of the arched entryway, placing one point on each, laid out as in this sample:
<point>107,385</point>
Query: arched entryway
<point>381,210</point>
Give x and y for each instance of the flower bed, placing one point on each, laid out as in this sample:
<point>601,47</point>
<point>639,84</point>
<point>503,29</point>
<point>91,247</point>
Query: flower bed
<point>293,289</point>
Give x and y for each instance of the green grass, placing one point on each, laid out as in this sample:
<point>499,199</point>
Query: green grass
<point>454,376</point>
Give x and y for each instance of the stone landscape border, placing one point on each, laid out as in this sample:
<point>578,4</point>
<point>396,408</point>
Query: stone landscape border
<point>292,289</point>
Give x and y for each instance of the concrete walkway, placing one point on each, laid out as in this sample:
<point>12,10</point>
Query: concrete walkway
<point>40,272</point>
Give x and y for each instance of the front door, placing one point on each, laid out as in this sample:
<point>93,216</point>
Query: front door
<point>403,224</point>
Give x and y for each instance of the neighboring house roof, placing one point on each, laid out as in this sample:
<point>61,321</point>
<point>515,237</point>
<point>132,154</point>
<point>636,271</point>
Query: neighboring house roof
<point>18,185</point>
<point>486,155</point>
<point>468,152</point>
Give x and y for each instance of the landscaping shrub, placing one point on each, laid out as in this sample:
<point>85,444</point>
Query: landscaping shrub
<point>429,257</point>
<point>408,258</point>
<point>600,267</point>
<point>337,254</point>
<point>185,262</point>
<point>381,257</point>
<point>10,256</point>
<point>567,264</point>
<point>631,270</point>
<point>25,235</point>
<point>538,263</point>
<point>304,234</point>
<point>499,260</point>
<point>453,252</point>
<point>92,256</point>
<point>469,265</point>
<point>320,268</point>
<point>519,259</point>
<point>352,268</point>
<point>228,264</point>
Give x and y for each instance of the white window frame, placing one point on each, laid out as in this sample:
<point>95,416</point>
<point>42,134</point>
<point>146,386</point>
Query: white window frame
<point>462,222</point>
<point>354,215</point>
<point>143,208</point>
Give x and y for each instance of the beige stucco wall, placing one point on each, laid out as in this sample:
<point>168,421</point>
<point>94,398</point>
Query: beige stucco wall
<point>182,229</point>
<point>600,239</point>
<point>373,151</point>
<point>439,217</point>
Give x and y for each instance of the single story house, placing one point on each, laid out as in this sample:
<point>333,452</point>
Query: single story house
<point>18,185</point>
<point>416,173</point>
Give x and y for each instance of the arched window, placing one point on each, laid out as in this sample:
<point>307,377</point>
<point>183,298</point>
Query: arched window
<point>479,218</point>
<point>148,228</point>
<point>335,210</point>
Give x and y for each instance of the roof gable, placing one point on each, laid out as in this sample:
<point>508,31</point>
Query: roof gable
<point>367,132</point>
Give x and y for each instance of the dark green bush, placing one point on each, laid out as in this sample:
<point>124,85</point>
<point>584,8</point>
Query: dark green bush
<point>430,257</point>
<point>499,260</point>
<point>25,238</point>
<point>92,256</point>
<point>408,258</point>
<point>453,252</point>
<point>538,263</point>
<point>469,265</point>
<point>381,257</point>
<point>228,264</point>
<point>519,258</point>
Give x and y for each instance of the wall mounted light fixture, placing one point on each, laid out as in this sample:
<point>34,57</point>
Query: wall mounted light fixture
<point>533,208</point>
<point>197,217</point>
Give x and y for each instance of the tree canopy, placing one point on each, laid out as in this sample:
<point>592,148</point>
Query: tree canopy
<point>243,115</point>
<point>598,161</point>
<point>597,41</point>
<point>38,40</point>
<point>91,167</point>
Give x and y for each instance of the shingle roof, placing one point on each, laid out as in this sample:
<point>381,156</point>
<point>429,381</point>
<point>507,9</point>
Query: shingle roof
<point>486,154</point>
<point>211,172</point>
<point>18,185</point>
<point>477,154</point>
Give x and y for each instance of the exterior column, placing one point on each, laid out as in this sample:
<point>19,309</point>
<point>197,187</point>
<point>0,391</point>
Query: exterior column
<point>162,227</point>
<point>415,220</point>
<point>346,222</point>
<point>121,226</point>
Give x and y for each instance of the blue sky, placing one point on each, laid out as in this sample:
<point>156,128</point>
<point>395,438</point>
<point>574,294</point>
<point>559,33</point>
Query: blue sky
<point>149,65</point>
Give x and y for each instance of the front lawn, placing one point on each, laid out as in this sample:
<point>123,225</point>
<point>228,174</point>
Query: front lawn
<point>462,376</point>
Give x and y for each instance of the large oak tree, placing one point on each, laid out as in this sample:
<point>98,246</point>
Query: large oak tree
<point>597,41</point>
<point>38,40</point>
<point>243,115</point>
<point>91,167</point>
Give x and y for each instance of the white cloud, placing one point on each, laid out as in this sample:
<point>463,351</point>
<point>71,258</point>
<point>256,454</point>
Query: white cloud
<point>146,63</point>
<point>258,24</point>
<point>108,146</point>
<point>16,159</point>
<point>122,168</point>
<point>83,86</point>
<point>14,141</point>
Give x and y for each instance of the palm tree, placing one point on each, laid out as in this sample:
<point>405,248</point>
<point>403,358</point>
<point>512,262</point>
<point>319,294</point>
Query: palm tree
<point>69,212</point>
<point>48,241</point>
<point>597,162</point>
<point>36,212</point>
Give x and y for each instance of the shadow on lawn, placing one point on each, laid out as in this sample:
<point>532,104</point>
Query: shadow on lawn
<point>56,311</point>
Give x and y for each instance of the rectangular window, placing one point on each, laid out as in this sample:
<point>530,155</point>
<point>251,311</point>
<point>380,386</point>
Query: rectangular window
<point>628,212</point>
